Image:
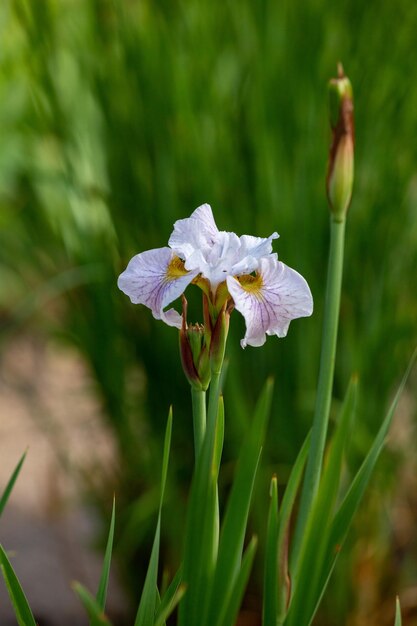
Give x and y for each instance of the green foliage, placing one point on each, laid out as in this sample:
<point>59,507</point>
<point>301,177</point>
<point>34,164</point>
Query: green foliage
<point>94,610</point>
<point>118,118</point>
<point>104,578</point>
<point>149,597</point>
<point>215,573</point>
<point>8,489</point>
<point>270,592</point>
<point>21,607</point>
<point>151,609</point>
<point>229,559</point>
<point>330,520</point>
<point>95,607</point>
<point>201,531</point>
<point>398,620</point>
<point>329,487</point>
<point>237,589</point>
<point>170,599</point>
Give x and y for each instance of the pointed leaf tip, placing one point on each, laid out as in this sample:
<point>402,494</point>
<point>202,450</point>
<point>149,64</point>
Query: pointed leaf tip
<point>398,620</point>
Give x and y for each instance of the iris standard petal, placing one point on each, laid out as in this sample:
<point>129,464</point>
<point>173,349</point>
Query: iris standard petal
<point>251,250</point>
<point>194,233</point>
<point>156,278</point>
<point>270,300</point>
<point>216,254</point>
<point>257,246</point>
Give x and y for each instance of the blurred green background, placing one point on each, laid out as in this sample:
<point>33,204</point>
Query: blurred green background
<point>118,117</point>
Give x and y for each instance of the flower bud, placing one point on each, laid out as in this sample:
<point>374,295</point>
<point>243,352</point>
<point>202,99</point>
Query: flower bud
<point>219,338</point>
<point>341,159</point>
<point>195,354</point>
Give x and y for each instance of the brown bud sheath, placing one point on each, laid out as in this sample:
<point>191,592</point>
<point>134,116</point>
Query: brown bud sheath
<point>194,351</point>
<point>340,172</point>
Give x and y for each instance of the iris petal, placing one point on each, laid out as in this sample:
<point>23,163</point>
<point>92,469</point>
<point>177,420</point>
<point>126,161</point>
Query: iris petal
<point>216,254</point>
<point>194,233</point>
<point>156,278</point>
<point>270,300</point>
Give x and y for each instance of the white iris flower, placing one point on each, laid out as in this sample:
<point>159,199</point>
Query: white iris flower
<point>240,270</point>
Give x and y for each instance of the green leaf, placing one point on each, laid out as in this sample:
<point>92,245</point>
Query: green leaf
<point>165,458</point>
<point>306,573</point>
<point>93,608</point>
<point>270,608</point>
<point>217,456</point>
<point>104,579</point>
<point>239,586</point>
<point>337,450</point>
<point>168,603</point>
<point>21,607</point>
<point>148,603</point>
<point>10,484</point>
<point>201,534</point>
<point>291,491</point>
<point>168,597</point>
<point>218,442</point>
<point>398,620</point>
<point>284,518</point>
<point>354,495</point>
<point>235,520</point>
<point>323,546</point>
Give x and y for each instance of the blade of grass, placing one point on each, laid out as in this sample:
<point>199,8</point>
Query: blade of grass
<point>398,620</point>
<point>8,489</point>
<point>335,537</point>
<point>217,457</point>
<point>218,443</point>
<point>198,398</point>
<point>165,610</point>
<point>170,598</point>
<point>201,535</point>
<point>270,609</point>
<point>21,606</point>
<point>232,609</point>
<point>165,458</point>
<point>104,579</point>
<point>284,524</point>
<point>331,477</point>
<point>235,520</point>
<point>312,553</point>
<point>93,608</point>
<point>149,598</point>
<point>147,606</point>
<point>291,490</point>
<point>337,449</point>
<point>354,495</point>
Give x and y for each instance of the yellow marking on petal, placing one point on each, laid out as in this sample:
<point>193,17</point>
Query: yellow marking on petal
<point>203,283</point>
<point>175,269</point>
<point>253,284</point>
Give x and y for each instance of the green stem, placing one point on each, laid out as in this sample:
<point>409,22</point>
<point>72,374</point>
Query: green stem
<point>324,388</point>
<point>213,407</point>
<point>198,398</point>
<point>213,404</point>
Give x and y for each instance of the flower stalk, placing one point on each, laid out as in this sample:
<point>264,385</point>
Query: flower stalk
<point>198,397</point>
<point>339,185</point>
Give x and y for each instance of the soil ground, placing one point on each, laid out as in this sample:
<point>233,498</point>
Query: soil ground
<point>47,408</point>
